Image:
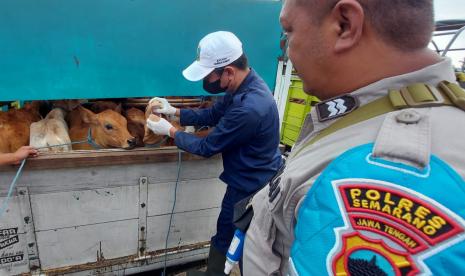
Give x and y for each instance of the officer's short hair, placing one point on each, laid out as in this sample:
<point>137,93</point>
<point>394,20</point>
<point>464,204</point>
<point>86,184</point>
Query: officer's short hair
<point>241,63</point>
<point>404,24</point>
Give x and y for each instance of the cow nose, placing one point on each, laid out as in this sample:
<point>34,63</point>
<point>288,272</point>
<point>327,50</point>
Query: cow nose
<point>132,142</point>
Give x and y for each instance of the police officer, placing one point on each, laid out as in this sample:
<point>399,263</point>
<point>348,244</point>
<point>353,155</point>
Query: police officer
<point>246,129</point>
<point>352,54</point>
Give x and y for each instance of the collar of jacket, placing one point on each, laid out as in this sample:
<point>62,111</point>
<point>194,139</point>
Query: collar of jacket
<point>432,74</point>
<point>251,76</point>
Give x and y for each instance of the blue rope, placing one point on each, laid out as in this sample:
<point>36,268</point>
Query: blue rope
<point>13,184</point>
<point>61,145</point>
<point>172,212</point>
<point>20,169</point>
<point>90,141</point>
<point>18,173</point>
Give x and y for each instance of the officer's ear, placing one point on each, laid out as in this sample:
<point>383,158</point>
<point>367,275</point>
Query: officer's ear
<point>347,19</point>
<point>229,72</point>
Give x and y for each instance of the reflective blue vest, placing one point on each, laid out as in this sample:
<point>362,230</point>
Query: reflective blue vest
<point>368,216</point>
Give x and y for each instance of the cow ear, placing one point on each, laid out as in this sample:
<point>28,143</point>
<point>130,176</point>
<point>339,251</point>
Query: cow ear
<point>88,116</point>
<point>119,108</point>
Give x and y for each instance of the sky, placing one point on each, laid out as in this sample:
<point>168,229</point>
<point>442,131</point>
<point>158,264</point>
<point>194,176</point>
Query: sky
<point>451,9</point>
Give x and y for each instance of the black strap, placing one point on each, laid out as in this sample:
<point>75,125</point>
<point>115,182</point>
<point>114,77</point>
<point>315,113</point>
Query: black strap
<point>243,210</point>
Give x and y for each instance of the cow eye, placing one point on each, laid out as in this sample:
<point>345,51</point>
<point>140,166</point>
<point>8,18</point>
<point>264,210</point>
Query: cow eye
<point>108,126</point>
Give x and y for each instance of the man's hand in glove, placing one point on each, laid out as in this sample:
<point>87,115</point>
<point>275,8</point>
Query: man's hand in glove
<point>161,106</point>
<point>160,126</point>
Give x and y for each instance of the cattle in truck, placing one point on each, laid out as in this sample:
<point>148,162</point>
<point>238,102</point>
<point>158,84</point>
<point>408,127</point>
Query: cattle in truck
<point>107,129</point>
<point>15,125</point>
<point>50,132</point>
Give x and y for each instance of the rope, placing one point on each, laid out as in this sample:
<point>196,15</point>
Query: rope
<point>89,138</point>
<point>90,141</point>
<point>172,212</point>
<point>10,190</point>
<point>20,169</point>
<point>61,145</point>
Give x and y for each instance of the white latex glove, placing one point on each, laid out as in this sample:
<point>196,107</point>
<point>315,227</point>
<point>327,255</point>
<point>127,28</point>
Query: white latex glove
<point>159,125</point>
<point>162,106</point>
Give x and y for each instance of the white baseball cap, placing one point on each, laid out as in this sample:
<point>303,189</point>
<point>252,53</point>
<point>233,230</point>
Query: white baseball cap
<point>215,50</point>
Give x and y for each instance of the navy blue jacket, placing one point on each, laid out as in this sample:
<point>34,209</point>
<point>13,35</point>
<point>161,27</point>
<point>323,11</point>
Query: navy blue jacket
<point>246,133</point>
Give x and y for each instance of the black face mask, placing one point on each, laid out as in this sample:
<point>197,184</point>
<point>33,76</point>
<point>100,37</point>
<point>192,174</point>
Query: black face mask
<point>214,87</point>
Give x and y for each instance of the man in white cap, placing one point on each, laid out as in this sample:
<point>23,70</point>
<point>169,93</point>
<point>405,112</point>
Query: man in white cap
<point>246,129</point>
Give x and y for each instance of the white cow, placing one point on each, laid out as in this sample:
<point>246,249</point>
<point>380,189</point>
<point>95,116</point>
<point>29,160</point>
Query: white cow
<point>50,131</point>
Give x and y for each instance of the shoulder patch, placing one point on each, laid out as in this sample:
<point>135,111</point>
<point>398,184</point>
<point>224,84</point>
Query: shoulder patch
<point>336,107</point>
<point>412,226</point>
<point>381,218</point>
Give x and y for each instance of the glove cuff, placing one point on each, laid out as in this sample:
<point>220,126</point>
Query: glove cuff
<point>170,110</point>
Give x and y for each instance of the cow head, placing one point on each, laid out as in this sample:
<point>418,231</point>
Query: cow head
<point>136,124</point>
<point>30,112</point>
<point>109,128</point>
<point>56,113</point>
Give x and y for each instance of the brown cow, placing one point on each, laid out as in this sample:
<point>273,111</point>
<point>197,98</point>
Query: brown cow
<point>136,124</point>
<point>14,126</point>
<point>100,106</point>
<point>151,138</point>
<point>134,116</point>
<point>108,129</point>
